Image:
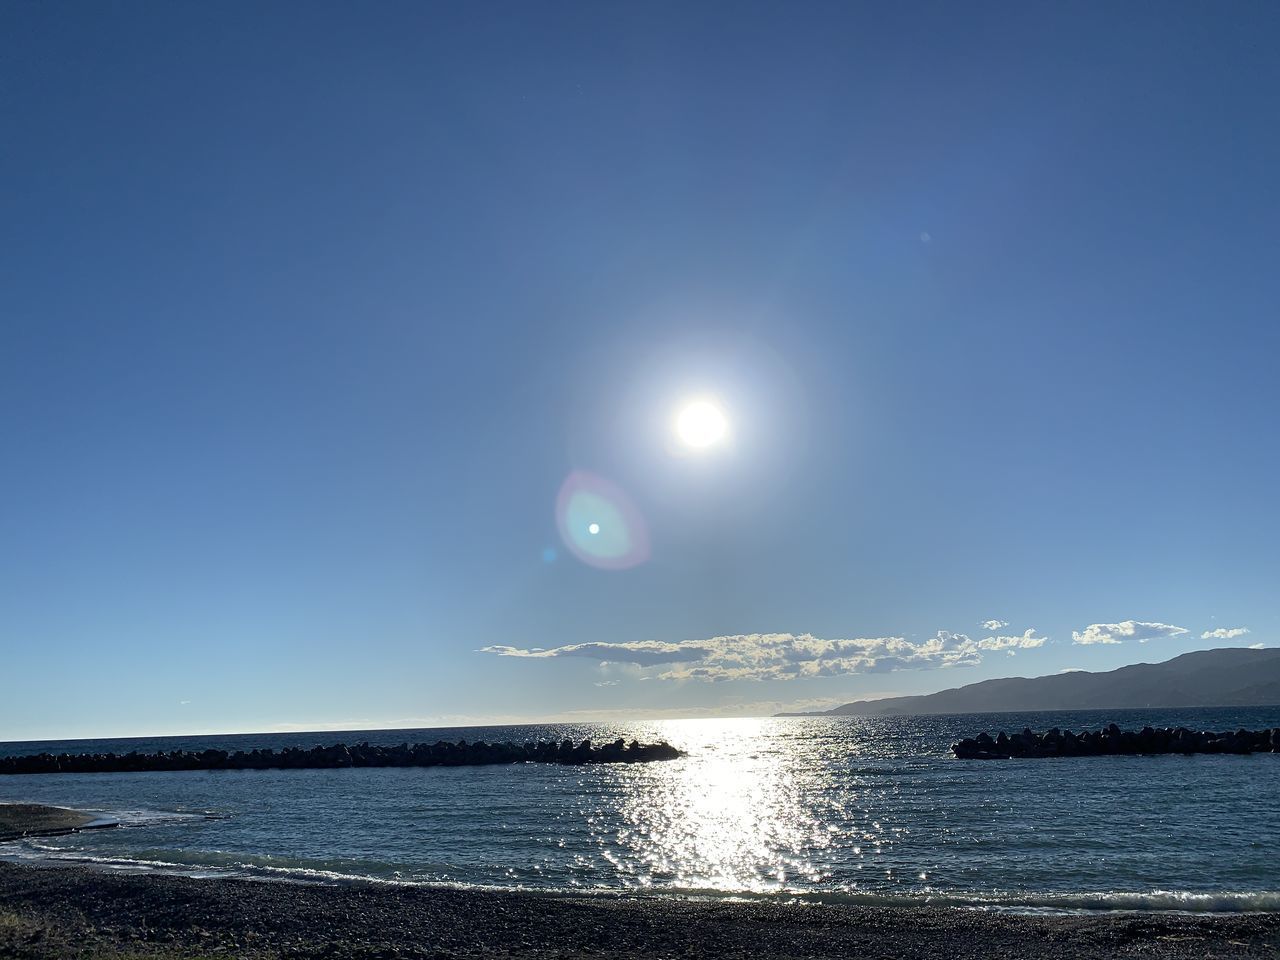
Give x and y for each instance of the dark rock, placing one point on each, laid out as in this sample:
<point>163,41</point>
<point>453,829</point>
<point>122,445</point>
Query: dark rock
<point>1115,741</point>
<point>341,755</point>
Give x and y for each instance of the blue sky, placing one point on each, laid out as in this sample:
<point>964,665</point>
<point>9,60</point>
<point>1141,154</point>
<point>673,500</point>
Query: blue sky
<point>307,313</point>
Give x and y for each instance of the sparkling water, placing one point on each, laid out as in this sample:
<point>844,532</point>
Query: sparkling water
<point>826,808</point>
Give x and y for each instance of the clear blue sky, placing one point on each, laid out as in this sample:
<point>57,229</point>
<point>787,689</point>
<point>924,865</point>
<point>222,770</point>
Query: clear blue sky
<point>307,311</point>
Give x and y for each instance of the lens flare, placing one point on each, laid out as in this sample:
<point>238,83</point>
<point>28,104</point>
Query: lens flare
<point>599,523</point>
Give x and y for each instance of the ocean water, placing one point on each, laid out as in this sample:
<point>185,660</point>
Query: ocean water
<point>828,808</point>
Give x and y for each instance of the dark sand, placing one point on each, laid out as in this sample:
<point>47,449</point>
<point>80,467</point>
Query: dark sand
<point>73,912</point>
<point>32,820</point>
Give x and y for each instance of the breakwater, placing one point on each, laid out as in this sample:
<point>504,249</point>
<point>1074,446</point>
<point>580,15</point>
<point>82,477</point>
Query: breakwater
<point>439,754</point>
<point>1114,741</point>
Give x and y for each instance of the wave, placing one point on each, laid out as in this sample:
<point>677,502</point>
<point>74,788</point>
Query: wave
<point>147,817</point>
<point>1158,901</point>
<point>214,865</point>
<point>1047,902</point>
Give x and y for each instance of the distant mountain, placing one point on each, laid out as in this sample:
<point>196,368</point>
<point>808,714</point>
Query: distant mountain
<point>1209,678</point>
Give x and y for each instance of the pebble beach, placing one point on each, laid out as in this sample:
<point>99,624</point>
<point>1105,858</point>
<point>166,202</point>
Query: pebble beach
<point>56,913</point>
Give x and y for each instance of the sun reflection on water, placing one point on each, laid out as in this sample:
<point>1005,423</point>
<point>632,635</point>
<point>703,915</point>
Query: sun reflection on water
<point>816,808</point>
<point>736,820</point>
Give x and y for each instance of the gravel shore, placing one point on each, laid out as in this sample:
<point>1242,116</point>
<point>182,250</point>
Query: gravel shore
<point>74,912</point>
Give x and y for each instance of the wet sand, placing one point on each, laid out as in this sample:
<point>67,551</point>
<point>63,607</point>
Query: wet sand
<point>33,820</point>
<point>74,912</point>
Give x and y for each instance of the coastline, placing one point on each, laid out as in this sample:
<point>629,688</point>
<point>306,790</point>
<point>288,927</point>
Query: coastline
<point>51,912</point>
<point>19,820</point>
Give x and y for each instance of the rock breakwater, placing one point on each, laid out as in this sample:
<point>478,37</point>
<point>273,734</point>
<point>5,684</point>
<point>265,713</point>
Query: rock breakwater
<point>439,754</point>
<point>1113,741</point>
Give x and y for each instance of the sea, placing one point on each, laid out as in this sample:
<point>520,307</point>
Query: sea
<point>824,809</point>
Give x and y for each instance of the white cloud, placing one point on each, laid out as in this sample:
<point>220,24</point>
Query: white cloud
<point>994,624</point>
<point>644,653</point>
<point>1023,641</point>
<point>783,656</point>
<point>1139,630</point>
<point>1224,633</point>
<point>1257,646</point>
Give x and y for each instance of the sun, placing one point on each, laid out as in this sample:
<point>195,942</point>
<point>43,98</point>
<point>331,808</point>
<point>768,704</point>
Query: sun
<point>701,424</point>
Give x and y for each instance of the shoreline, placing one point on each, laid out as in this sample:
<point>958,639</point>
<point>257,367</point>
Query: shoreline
<point>18,820</point>
<point>1080,903</point>
<point>55,911</point>
<point>50,821</point>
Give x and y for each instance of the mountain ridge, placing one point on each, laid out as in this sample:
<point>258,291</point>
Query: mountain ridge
<point>1223,677</point>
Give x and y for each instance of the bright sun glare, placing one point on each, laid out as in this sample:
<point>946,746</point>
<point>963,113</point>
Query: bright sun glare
<point>700,424</point>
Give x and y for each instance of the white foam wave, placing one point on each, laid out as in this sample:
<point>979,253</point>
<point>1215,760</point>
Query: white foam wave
<point>219,865</point>
<point>147,817</point>
<point>1160,901</point>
